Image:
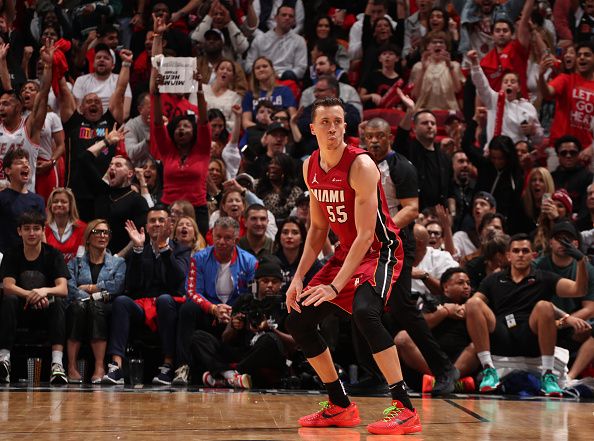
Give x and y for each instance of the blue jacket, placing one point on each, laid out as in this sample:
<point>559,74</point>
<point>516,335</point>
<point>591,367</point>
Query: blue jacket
<point>204,278</point>
<point>111,277</point>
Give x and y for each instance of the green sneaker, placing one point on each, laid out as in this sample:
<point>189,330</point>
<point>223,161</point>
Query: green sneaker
<point>549,385</point>
<point>490,380</point>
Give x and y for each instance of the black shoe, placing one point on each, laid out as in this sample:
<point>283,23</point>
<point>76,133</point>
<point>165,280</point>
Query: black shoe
<point>445,383</point>
<point>369,385</point>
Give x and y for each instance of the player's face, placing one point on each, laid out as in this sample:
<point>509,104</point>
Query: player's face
<point>378,142</point>
<point>520,254</point>
<point>329,127</point>
<point>457,288</point>
<point>31,234</point>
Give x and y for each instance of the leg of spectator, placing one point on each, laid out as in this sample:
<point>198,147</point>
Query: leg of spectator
<point>99,331</point>
<point>190,317</point>
<point>201,213</point>
<point>167,325</point>
<point>467,362</point>
<point>9,314</point>
<point>480,321</point>
<point>584,357</point>
<point>123,311</point>
<point>207,352</point>
<point>266,353</point>
<point>57,313</point>
<point>409,353</point>
<point>542,323</point>
<point>76,319</point>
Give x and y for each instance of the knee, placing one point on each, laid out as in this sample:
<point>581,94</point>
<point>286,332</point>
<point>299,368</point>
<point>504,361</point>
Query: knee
<point>544,309</point>
<point>75,310</point>
<point>473,306</point>
<point>165,301</point>
<point>294,324</point>
<point>362,315</point>
<point>402,340</point>
<point>10,301</point>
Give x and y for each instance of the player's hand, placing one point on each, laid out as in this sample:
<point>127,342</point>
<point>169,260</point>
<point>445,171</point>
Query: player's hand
<point>293,293</point>
<point>317,295</point>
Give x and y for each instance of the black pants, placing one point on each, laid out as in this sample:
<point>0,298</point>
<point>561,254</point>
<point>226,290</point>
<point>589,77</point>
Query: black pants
<point>192,318</point>
<point>211,354</point>
<point>367,311</point>
<point>126,312</point>
<point>88,320</point>
<point>201,213</point>
<point>402,314</point>
<point>12,313</point>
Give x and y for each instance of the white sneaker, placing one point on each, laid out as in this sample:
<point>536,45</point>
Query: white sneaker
<point>240,381</point>
<point>182,375</point>
<point>58,374</point>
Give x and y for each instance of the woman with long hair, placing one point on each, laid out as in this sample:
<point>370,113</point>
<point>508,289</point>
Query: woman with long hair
<point>96,278</point>
<point>64,230</point>
<point>539,185</point>
<point>184,145</point>
<point>264,86</point>
<point>289,242</point>
<point>277,187</point>
<point>186,234</point>
<point>220,95</point>
<point>499,174</point>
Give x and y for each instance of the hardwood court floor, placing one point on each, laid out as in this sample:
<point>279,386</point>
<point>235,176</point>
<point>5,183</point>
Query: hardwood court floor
<point>116,414</point>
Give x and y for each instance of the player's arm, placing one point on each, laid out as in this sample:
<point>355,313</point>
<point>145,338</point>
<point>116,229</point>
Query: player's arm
<point>364,177</point>
<point>316,235</point>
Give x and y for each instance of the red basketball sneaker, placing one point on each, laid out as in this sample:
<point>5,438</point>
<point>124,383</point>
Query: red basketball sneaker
<point>398,420</point>
<point>332,415</point>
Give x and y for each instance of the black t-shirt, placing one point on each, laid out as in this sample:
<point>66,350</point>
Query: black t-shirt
<point>431,193</point>
<point>377,82</point>
<point>403,176</point>
<point>39,273</point>
<point>80,135</point>
<point>95,270</point>
<point>507,297</point>
<point>449,332</point>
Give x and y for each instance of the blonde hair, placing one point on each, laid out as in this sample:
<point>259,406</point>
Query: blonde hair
<point>90,227</point>
<point>527,198</point>
<point>73,210</point>
<point>186,207</point>
<point>254,83</point>
<point>199,242</point>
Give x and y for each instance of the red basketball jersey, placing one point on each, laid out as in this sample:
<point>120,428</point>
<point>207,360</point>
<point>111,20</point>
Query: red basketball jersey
<point>382,263</point>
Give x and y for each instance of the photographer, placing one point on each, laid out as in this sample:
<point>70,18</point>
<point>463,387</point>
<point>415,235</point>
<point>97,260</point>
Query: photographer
<point>96,277</point>
<point>254,344</point>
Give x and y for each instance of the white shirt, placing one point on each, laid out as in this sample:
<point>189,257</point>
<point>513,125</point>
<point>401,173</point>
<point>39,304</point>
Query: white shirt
<point>19,138</point>
<point>271,22</point>
<point>435,263</point>
<point>89,83</point>
<point>287,52</point>
<point>52,124</point>
<point>224,284</point>
<point>224,103</point>
<point>463,244</point>
<point>514,112</point>
<point>346,92</point>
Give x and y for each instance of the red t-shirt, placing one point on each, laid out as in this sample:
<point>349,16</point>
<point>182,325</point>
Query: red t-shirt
<point>187,179</point>
<point>175,105</point>
<point>574,108</point>
<point>70,247</point>
<point>513,58</point>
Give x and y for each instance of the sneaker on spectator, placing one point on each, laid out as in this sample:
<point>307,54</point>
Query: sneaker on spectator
<point>114,375</point>
<point>397,420</point>
<point>210,380</point>
<point>490,381</point>
<point>5,371</point>
<point>182,375</point>
<point>549,385</point>
<point>58,374</point>
<point>446,382</point>
<point>165,375</point>
<point>240,381</point>
<point>465,384</point>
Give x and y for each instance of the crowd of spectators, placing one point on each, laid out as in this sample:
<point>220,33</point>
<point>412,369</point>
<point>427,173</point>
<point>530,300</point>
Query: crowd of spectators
<point>123,208</point>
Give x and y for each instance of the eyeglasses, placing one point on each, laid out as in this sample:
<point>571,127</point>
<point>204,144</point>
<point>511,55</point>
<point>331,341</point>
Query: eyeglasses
<point>281,118</point>
<point>434,233</point>
<point>568,153</point>
<point>98,232</point>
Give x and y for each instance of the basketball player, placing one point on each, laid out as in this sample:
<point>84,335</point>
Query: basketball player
<point>18,130</point>
<point>346,196</point>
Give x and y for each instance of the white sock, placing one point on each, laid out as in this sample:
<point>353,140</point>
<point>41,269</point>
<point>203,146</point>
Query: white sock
<point>485,359</point>
<point>548,362</point>
<point>4,354</point>
<point>57,357</point>
<point>228,375</point>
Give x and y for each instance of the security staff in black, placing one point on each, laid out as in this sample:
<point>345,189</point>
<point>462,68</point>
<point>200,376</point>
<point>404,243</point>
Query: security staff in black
<point>399,180</point>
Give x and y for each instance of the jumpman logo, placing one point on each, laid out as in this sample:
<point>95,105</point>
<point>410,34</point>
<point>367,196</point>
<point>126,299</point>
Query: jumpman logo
<point>315,179</point>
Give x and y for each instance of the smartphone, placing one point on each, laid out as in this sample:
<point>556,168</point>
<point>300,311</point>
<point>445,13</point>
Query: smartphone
<point>546,196</point>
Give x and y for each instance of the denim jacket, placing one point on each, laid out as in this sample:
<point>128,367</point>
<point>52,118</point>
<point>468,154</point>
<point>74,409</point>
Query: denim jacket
<point>111,277</point>
<point>470,13</point>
